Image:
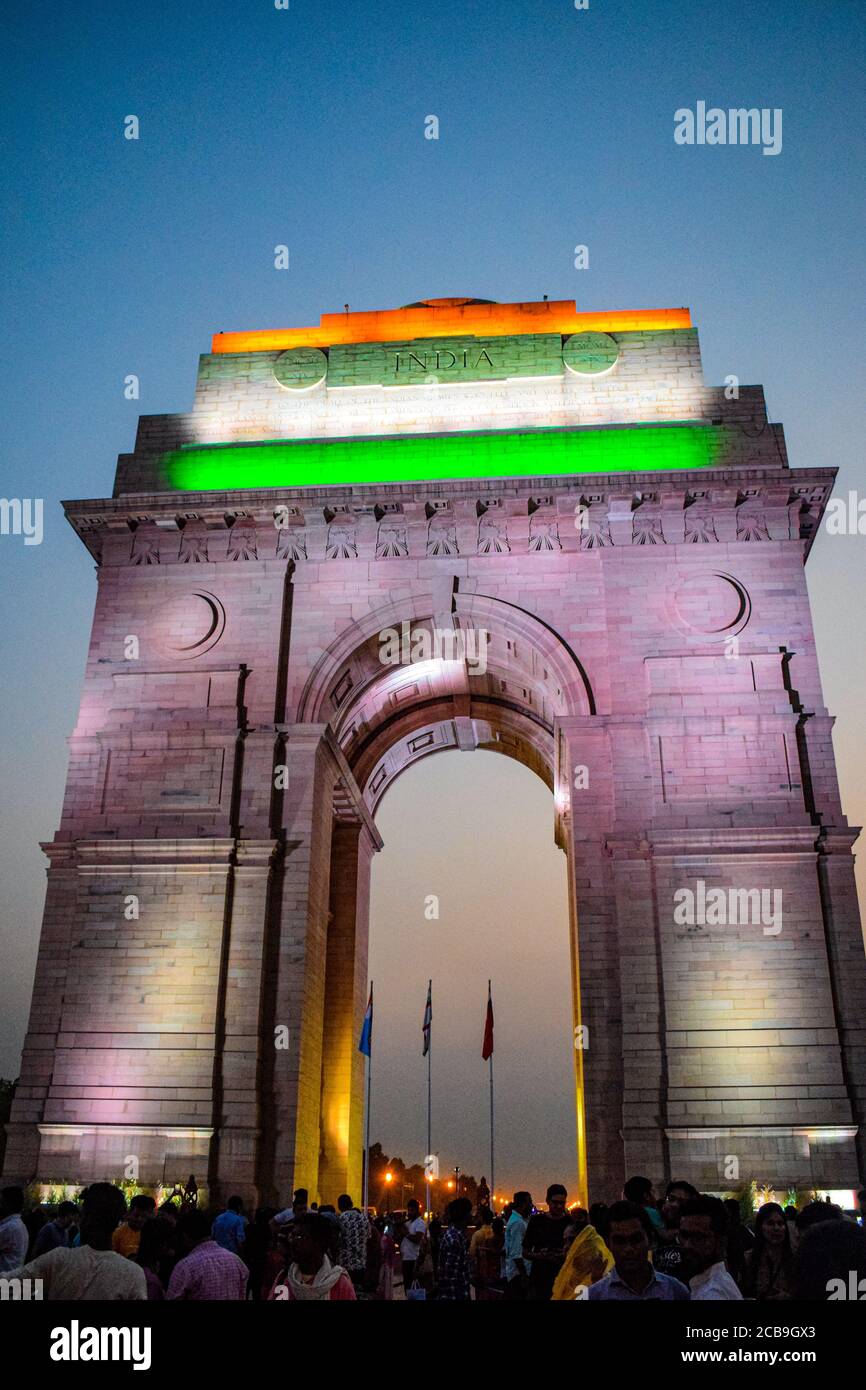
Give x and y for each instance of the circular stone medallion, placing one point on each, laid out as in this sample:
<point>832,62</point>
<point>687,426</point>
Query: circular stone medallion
<point>712,604</point>
<point>590,354</point>
<point>189,624</point>
<point>298,369</point>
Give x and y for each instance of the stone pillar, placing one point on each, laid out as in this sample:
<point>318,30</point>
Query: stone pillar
<point>343,1067</point>
<point>294,997</point>
<point>583,744</point>
<point>847,971</point>
<point>37,1059</point>
<point>239,1043</point>
<point>644,1050</point>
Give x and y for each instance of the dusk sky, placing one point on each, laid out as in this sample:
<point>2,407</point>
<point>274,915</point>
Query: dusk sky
<point>305,127</point>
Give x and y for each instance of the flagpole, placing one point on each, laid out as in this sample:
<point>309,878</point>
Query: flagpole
<point>367,1137</point>
<point>429,1100</point>
<point>367,1125</point>
<point>492,1162</point>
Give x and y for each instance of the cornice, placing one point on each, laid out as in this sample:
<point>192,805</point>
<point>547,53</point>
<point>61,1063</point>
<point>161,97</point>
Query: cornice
<point>478,517</point>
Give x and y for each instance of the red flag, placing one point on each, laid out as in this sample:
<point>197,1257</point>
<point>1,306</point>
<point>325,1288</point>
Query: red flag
<point>487,1045</point>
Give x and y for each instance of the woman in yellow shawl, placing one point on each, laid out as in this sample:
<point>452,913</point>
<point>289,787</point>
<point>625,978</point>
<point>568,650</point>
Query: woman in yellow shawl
<point>587,1261</point>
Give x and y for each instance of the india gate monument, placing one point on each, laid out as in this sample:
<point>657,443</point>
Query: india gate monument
<point>296,580</point>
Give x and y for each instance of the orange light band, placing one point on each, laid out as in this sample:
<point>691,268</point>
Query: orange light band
<point>427,321</point>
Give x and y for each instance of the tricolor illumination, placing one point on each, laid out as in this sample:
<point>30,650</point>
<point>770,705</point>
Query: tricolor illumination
<point>451,317</point>
<point>426,458</point>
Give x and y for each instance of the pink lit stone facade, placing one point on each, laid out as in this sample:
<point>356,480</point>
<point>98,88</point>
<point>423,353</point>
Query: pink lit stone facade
<point>656,667</point>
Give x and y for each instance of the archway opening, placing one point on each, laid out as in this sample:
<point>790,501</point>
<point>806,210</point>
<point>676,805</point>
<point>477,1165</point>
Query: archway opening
<point>471,886</point>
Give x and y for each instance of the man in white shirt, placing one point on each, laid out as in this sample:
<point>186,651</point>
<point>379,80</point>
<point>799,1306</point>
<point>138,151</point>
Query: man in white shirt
<point>516,1267</point>
<point>14,1236</point>
<point>413,1233</point>
<point>91,1271</point>
<point>703,1224</point>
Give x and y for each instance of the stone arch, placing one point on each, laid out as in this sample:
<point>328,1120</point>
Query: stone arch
<point>522,647</point>
<point>385,719</point>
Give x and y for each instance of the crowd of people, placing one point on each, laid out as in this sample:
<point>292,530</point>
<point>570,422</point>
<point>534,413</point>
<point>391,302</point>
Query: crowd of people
<point>686,1246</point>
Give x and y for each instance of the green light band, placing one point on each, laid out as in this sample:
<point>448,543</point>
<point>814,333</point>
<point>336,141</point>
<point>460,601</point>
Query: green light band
<point>424,458</point>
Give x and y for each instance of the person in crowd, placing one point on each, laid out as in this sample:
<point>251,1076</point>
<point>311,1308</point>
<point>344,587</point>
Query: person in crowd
<point>256,1246</point>
<point>485,1258</point>
<point>35,1220</point>
<point>14,1236</point>
<point>668,1255</point>
<point>55,1233</point>
<point>435,1231</point>
<point>411,1234</point>
<point>277,1257</point>
<point>814,1213</point>
<point>861,1206</point>
<point>830,1263</point>
<point>128,1234</point>
<point>308,1274</point>
<point>579,1220</point>
<point>641,1191</point>
<point>92,1271</point>
<point>453,1273</point>
<point>703,1227</point>
<point>543,1244</point>
<point>791,1215</point>
<point>516,1267</point>
<point>230,1227</point>
<point>740,1240</point>
<point>206,1272</point>
<point>768,1266</point>
<point>154,1256</point>
<point>598,1218</point>
<point>354,1234</point>
<point>300,1205</point>
<point>368,1287</point>
<point>329,1211</point>
<point>587,1260</point>
<point>633,1278</point>
<point>387,1260</point>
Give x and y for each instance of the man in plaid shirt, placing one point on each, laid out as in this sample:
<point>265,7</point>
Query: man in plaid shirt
<point>208,1272</point>
<point>453,1275</point>
<point>354,1234</point>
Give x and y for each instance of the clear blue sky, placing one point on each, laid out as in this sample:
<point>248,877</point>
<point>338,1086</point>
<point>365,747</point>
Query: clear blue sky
<point>261,126</point>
